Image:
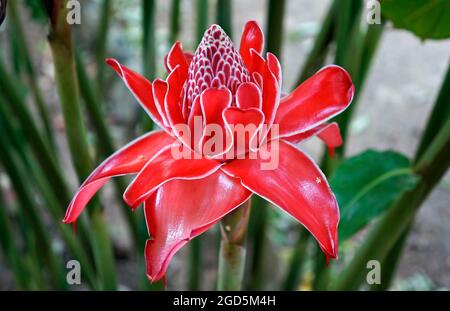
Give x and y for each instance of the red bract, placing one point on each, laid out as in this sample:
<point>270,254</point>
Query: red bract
<point>183,197</point>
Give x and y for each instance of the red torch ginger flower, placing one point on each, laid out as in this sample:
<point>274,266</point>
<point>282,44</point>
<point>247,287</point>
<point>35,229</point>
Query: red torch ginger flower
<point>218,86</point>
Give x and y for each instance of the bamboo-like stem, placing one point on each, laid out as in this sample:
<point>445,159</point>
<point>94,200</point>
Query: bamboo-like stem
<point>47,257</point>
<point>60,40</point>
<point>101,44</point>
<point>175,11</point>
<point>202,19</point>
<point>224,16</point>
<point>20,37</point>
<point>51,201</point>
<point>195,263</point>
<point>232,248</point>
<point>295,270</point>
<point>274,30</point>
<point>257,232</point>
<point>431,166</point>
<point>9,248</point>
<point>316,57</point>
<point>148,39</point>
<point>39,145</point>
<point>389,264</point>
<point>439,114</point>
<point>148,53</point>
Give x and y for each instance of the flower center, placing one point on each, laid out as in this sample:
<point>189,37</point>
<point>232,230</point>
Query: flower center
<point>216,63</point>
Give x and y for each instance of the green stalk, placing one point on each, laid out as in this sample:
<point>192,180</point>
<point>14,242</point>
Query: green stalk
<point>274,31</point>
<point>296,263</point>
<point>316,57</point>
<point>175,11</point>
<point>51,201</point>
<point>148,40</point>
<point>8,88</point>
<point>148,53</point>
<point>347,19</point>
<point>431,166</point>
<point>47,257</point>
<point>232,248</point>
<point>257,232</point>
<point>9,248</point>
<point>101,44</point>
<point>224,16</point>
<point>440,113</point>
<point>195,262</point>
<point>22,45</point>
<point>202,19</point>
<point>60,40</point>
<point>389,264</point>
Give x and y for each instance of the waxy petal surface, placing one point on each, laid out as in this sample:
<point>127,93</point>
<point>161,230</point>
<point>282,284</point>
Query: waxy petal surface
<point>164,167</point>
<point>296,185</point>
<point>318,99</point>
<point>128,160</point>
<point>329,133</point>
<point>181,210</point>
<point>252,38</point>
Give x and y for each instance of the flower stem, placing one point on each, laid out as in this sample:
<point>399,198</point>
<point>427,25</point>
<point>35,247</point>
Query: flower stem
<point>195,262</point>
<point>148,53</point>
<point>224,16</point>
<point>275,26</point>
<point>101,44</point>
<point>60,40</point>
<point>257,232</point>
<point>316,57</point>
<point>19,35</point>
<point>295,269</point>
<point>175,11</point>
<point>232,248</point>
<point>202,19</point>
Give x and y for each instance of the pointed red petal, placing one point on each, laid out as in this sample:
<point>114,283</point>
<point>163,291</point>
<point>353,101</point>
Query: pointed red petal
<point>183,209</point>
<point>166,166</point>
<point>140,87</point>
<point>252,38</point>
<point>296,185</point>
<point>271,88</point>
<point>177,57</point>
<point>159,95</point>
<point>172,104</point>
<point>128,160</point>
<point>318,99</point>
<point>329,133</point>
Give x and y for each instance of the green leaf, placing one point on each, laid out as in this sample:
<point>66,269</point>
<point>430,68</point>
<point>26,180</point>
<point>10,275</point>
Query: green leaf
<point>428,19</point>
<point>366,185</point>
